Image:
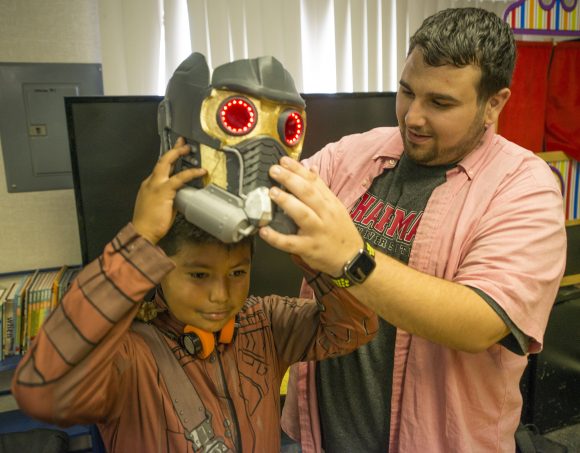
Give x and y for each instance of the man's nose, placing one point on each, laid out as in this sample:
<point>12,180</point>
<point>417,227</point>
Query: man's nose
<point>415,116</point>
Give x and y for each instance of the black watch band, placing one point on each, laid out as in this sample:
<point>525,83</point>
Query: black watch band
<point>357,269</point>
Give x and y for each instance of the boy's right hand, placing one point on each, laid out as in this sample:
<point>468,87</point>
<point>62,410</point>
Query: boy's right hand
<point>154,210</point>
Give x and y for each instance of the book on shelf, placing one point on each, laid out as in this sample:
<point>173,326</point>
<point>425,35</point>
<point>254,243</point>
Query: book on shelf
<point>56,284</point>
<point>7,294</point>
<point>39,305</point>
<point>27,303</point>
<point>22,324</point>
<point>12,316</point>
<point>21,309</point>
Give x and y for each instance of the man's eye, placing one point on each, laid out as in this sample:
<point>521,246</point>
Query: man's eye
<point>440,104</point>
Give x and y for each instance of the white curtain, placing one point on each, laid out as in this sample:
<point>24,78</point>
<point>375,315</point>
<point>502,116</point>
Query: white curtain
<point>327,45</point>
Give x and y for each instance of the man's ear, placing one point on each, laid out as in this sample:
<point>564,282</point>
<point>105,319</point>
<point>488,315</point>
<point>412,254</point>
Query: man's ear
<point>495,104</point>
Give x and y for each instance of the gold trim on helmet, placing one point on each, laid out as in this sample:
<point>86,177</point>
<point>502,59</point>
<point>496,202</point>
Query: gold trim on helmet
<point>266,122</point>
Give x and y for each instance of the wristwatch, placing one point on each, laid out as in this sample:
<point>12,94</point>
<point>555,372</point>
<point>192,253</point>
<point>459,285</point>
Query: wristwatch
<point>357,270</point>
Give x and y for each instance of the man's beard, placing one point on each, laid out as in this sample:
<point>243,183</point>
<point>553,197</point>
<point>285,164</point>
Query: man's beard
<point>450,155</point>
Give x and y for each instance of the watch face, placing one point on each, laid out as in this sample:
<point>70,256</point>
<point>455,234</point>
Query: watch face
<point>361,267</point>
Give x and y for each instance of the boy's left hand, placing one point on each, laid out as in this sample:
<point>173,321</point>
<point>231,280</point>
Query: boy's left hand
<point>154,211</point>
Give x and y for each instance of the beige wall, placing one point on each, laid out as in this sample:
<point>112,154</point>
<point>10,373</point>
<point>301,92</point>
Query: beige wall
<point>39,229</point>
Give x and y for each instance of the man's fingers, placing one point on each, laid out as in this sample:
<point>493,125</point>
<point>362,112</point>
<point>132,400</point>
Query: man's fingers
<point>278,240</point>
<point>300,212</point>
<point>301,182</point>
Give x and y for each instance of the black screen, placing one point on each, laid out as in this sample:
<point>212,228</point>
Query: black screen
<point>114,146</point>
<point>572,256</point>
<point>332,116</point>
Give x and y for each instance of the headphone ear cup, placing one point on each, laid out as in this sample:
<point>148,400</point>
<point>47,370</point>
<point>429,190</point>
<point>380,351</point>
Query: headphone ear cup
<point>227,332</point>
<point>206,343</point>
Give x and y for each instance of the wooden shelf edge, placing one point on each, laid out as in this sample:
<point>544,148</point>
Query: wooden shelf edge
<point>570,280</point>
<point>554,156</point>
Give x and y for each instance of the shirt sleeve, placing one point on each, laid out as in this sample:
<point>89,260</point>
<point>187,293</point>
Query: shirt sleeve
<point>74,371</point>
<point>518,249</point>
<point>333,323</point>
<point>516,341</point>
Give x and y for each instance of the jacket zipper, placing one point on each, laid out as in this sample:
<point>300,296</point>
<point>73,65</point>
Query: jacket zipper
<point>235,424</point>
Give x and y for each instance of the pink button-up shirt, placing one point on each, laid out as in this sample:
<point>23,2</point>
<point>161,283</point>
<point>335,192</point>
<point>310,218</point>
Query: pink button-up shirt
<point>496,224</point>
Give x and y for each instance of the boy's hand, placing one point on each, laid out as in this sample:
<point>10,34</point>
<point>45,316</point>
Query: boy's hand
<point>154,211</point>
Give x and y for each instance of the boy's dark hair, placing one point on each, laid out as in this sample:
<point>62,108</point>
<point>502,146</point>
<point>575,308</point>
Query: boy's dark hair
<point>184,232</point>
<point>464,36</point>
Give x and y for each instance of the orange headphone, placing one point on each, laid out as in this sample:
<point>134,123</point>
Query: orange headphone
<point>200,343</point>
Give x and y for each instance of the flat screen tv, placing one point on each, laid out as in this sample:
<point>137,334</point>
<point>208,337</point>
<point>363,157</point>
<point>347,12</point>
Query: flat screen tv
<point>114,146</point>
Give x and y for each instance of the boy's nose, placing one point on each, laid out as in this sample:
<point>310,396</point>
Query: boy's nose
<point>219,293</point>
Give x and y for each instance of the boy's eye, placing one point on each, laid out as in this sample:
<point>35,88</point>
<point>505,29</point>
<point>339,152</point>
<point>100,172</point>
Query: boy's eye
<point>239,273</point>
<point>198,275</point>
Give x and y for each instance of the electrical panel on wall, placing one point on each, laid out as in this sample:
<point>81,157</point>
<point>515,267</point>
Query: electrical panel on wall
<point>33,127</point>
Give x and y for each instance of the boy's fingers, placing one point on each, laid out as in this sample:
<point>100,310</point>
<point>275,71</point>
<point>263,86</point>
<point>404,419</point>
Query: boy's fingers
<point>179,142</point>
<point>183,177</point>
<point>164,165</point>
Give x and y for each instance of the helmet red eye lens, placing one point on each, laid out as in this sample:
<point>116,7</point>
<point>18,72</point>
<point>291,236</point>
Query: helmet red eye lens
<point>237,116</point>
<point>293,127</point>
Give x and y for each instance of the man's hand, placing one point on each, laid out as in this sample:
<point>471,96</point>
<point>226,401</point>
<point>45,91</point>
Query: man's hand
<point>326,237</point>
<point>154,211</point>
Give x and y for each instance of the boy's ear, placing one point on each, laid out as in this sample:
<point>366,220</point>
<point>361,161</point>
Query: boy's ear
<point>495,105</point>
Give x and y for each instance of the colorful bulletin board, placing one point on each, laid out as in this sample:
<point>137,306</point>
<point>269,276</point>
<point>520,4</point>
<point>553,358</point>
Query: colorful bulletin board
<point>544,17</point>
<point>547,18</point>
<point>567,172</point>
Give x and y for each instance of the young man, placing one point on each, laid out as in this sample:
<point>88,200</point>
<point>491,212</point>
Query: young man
<point>470,245</point>
<point>92,363</point>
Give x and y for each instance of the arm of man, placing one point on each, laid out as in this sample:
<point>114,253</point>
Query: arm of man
<point>79,366</point>
<point>449,313</point>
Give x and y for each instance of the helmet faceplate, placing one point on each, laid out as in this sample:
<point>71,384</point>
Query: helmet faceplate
<point>238,127</point>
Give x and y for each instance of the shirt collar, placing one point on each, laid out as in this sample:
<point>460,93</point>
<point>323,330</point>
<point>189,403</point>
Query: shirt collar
<point>471,163</point>
<point>391,150</point>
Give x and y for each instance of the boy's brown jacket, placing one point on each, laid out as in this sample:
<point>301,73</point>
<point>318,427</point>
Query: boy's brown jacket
<point>87,366</point>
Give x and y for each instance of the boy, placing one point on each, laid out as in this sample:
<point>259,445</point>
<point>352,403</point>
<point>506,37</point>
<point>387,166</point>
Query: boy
<point>92,363</point>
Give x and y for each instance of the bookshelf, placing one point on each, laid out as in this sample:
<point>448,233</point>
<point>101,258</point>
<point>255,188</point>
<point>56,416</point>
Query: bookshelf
<point>39,292</point>
<point>26,300</point>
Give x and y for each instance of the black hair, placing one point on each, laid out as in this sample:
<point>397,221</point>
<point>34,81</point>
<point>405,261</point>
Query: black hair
<point>184,232</point>
<point>469,36</point>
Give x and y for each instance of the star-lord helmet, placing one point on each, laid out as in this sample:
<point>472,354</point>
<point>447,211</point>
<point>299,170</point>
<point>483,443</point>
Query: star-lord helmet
<point>238,126</point>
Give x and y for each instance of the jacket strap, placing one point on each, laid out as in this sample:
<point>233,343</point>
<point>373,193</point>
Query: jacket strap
<point>185,399</point>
